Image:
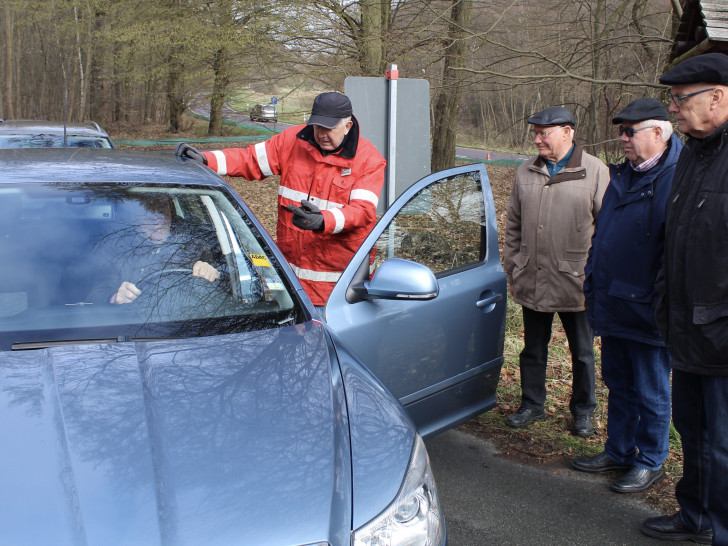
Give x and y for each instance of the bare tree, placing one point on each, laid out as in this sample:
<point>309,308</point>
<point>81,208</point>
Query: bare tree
<point>590,56</point>
<point>448,99</point>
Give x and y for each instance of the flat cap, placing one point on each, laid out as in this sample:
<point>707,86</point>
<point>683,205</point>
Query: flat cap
<point>329,109</point>
<point>708,68</point>
<point>642,109</point>
<point>553,115</point>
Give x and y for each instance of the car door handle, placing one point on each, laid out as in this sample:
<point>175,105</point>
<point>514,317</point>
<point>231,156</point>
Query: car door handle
<point>490,299</point>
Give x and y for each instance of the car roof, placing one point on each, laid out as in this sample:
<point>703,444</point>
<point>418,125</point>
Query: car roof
<point>101,165</point>
<point>32,126</point>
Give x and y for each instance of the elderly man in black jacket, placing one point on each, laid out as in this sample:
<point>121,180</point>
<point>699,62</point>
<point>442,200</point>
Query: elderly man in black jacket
<point>692,310</point>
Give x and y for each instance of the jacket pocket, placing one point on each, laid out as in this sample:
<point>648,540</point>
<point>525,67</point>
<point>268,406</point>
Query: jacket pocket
<point>520,261</point>
<point>631,292</point>
<point>630,306</point>
<point>711,324</point>
<point>573,268</point>
<point>569,288</point>
<point>705,314</point>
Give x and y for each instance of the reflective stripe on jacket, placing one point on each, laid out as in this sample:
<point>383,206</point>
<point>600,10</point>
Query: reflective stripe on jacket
<point>344,185</point>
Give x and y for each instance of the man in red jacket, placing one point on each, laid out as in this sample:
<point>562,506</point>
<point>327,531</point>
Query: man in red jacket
<point>331,179</point>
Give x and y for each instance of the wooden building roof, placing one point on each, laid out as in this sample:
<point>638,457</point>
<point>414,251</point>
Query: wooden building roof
<point>703,28</point>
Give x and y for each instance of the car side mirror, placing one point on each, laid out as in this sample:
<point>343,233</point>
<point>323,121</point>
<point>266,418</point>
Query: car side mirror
<point>397,279</point>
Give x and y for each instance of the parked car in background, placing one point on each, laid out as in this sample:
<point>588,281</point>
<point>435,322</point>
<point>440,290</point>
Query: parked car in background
<point>264,112</point>
<point>228,411</point>
<point>49,134</point>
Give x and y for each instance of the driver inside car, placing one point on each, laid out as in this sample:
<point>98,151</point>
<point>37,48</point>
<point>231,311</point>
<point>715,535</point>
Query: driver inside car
<point>145,246</point>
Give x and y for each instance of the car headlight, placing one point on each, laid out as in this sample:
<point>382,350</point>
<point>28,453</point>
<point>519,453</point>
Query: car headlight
<point>415,516</point>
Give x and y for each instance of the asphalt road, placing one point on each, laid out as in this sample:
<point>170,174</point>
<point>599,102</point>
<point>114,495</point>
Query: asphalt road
<point>485,155</point>
<point>488,500</point>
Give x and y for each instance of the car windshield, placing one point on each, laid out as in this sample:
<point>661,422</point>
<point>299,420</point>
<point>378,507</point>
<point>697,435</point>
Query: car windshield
<point>46,140</point>
<point>69,251</point>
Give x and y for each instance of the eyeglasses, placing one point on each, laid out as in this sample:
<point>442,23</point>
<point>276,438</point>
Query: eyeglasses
<point>677,99</point>
<point>544,134</point>
<point>630,131</point>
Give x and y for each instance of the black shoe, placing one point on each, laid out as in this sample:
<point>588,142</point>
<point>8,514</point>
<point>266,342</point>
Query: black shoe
<point>524,417</point>
<point>583,425</point>
<point>637,479</point>
<point>673,528</point>
<point>598,463</point>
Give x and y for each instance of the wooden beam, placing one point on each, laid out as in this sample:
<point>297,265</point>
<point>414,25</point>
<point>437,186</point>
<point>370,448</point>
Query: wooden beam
<point>702,47</point>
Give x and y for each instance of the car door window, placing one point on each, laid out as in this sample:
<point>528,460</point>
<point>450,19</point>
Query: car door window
<point>439,227</point>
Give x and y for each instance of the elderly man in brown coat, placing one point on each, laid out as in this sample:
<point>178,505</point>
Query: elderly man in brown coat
<point>551,215</point>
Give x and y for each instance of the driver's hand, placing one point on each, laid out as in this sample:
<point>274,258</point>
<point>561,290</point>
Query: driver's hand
<point>126,293</point>
<point>206,271</point>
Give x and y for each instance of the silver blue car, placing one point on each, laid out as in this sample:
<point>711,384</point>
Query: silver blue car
<point>26,133</point>
<point>212,403</point>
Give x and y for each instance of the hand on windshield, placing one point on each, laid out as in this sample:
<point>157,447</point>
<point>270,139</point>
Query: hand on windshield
<point>126,293</point>
<point>206,271</point>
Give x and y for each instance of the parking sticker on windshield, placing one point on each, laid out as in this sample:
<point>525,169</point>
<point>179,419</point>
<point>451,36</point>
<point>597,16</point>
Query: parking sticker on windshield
<point>274,284</point>
<point>260,260</point>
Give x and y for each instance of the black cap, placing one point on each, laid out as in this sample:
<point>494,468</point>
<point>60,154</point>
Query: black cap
<point>553,115</point>
<point>708,68</point>
<point>642,109</point>
<point>329,109</point>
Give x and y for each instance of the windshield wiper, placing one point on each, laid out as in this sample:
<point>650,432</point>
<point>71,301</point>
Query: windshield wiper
<point>29,345</point>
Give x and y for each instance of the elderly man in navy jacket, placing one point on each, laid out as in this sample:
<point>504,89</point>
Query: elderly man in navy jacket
<point>624,261</point>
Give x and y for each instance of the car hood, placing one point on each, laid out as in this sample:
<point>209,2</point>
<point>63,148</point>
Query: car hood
<point>237,439</point>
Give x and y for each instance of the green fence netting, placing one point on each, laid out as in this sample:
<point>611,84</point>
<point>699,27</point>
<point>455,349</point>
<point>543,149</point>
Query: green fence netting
<point>262,133</point>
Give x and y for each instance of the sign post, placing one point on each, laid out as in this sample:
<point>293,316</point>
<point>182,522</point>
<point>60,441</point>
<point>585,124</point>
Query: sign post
<point>392,78</point>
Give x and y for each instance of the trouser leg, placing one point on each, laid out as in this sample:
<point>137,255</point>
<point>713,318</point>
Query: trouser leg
<point>715,391</point>
<point>688,415</point>
<point>651,366</point>
<point>534,356</point>
<point>622,412</point>
<point>581,344</point>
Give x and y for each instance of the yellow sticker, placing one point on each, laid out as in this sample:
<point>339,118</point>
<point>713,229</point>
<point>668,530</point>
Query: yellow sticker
<point>260,260</point>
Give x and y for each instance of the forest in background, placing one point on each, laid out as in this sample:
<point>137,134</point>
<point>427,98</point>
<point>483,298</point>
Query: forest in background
<point>490,64</point>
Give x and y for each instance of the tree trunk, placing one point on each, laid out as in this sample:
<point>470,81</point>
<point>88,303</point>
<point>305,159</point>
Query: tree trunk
<point>175,101</point>
<point>448,99</point>
<point>9,110</point>
<point>372,45</point>
<point>221,66</point>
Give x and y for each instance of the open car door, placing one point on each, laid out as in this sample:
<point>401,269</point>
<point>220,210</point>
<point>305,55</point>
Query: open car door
<point>435,341</point>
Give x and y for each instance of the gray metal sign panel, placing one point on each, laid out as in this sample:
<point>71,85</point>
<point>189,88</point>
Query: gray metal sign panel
<point>370,99</point>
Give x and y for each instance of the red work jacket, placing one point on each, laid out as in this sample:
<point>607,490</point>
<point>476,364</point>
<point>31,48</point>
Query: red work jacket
<point>344,185</point>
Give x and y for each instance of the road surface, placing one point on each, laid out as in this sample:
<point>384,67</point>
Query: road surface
<point>488,500</point>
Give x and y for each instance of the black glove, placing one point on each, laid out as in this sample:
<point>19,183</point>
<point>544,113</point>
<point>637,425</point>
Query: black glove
<point>185,150</point>
<point>307,216</point>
